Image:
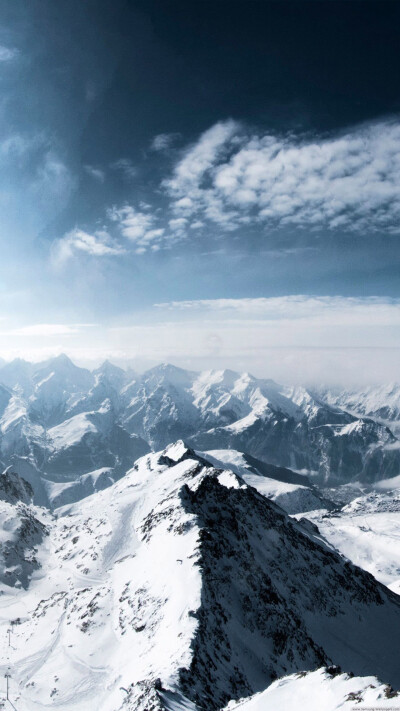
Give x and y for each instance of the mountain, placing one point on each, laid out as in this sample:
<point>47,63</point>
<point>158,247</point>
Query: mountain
<point>86,443</point>
<point>381,402</point>
<point>13,488</point>
<point>159,405</point>
<point>181,587</point>
<point>289,427</point>
<point>64,436</point>
<point>293,428</point>
<point>58,383</point>
<point>115,376</point>
<point>17,374</point>
<point>71,431</point>
<point>292,491</point>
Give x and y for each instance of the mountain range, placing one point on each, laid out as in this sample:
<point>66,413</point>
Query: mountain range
<point>70,431</point>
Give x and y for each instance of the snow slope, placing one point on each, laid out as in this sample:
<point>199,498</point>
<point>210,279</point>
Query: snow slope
<point>181,587</point>
<point>367,532</point>
<point>322,690</point>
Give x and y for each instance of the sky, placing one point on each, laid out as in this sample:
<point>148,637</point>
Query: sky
<point>213,183</point>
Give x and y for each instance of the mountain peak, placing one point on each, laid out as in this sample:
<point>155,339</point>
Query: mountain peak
<point>63,359</point>
<point>171,373</point>
<point>107,367</point>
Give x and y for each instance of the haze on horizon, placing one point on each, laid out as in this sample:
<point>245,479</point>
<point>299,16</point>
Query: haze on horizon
<point>211,184</point>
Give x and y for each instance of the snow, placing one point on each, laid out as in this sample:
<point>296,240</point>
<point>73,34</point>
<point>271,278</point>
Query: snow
<point>294,498</point>
<point>229,480</point>
<point>120,593</point>
<point>111,588</point>
<point>356,426</point>
<point>66,422</point>
<point>70,431</point>
<point>319,691</point>
<point>388,484</point>
<point>114,558</point>
<point>176,451</point>
<point>236,460</point>
<point>367,532</point>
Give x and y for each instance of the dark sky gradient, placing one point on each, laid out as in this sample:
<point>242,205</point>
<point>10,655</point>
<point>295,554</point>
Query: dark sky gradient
<point>94,81</point>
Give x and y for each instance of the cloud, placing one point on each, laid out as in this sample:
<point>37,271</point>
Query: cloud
<point>36,164</point>
<point>36,181</point>
<point>78,241</point>
<point>233,177</point>
<point>313,311</point>
<point>139,227</point>
<point>7,53</point>
<point>308,339</point>
<point>348,182</point>
<point>53,180</point>
<point>46,329</point>
<point>95,173</point>
<point>163,141</point>
<point>126,167</point>
<point>199,159</point>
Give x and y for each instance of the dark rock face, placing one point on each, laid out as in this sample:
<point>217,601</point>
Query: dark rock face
<point>275,600</point>
<point>333,454</point>
<point>14,488</point>
<point>18,555</point>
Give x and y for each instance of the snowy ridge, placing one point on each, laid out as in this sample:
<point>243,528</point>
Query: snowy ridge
<point>181,587</point>
<point>322,689</point>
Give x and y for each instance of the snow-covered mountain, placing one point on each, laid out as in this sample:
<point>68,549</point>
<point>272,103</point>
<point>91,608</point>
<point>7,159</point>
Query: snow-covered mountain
<point>292,491</point>
<point>70,431</point>
<point>288,427</point>
<point>381,402</point>
<point>182,587</point>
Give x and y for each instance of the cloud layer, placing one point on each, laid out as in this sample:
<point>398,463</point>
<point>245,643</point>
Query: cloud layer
<point>289,338</point>
<point>324,310</point>
<point>232,178</point>
<point>349,182</point>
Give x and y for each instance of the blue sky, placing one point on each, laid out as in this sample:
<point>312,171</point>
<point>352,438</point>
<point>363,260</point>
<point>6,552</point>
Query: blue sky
<point>211,183</point>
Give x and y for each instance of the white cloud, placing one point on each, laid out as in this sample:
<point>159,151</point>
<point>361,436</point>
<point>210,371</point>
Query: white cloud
<point>78,241</point>
<point>95,173</point>
<point>7,53</point>
<point>232,179</point>
<point>199,159</point>
<point>163,141</point>
<point>308,339</point>
<point>301,320</point>
<point>41,172</point>
<point>348,182</point>
<point>138,226</point>
<point>36,180</point>
<point>53,180</point>
<point>45,329</point>
<point>17,146</point>
<point>178,224</point>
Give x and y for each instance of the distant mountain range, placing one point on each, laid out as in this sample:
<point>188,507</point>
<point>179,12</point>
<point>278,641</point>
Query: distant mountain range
<point>70,431</point>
